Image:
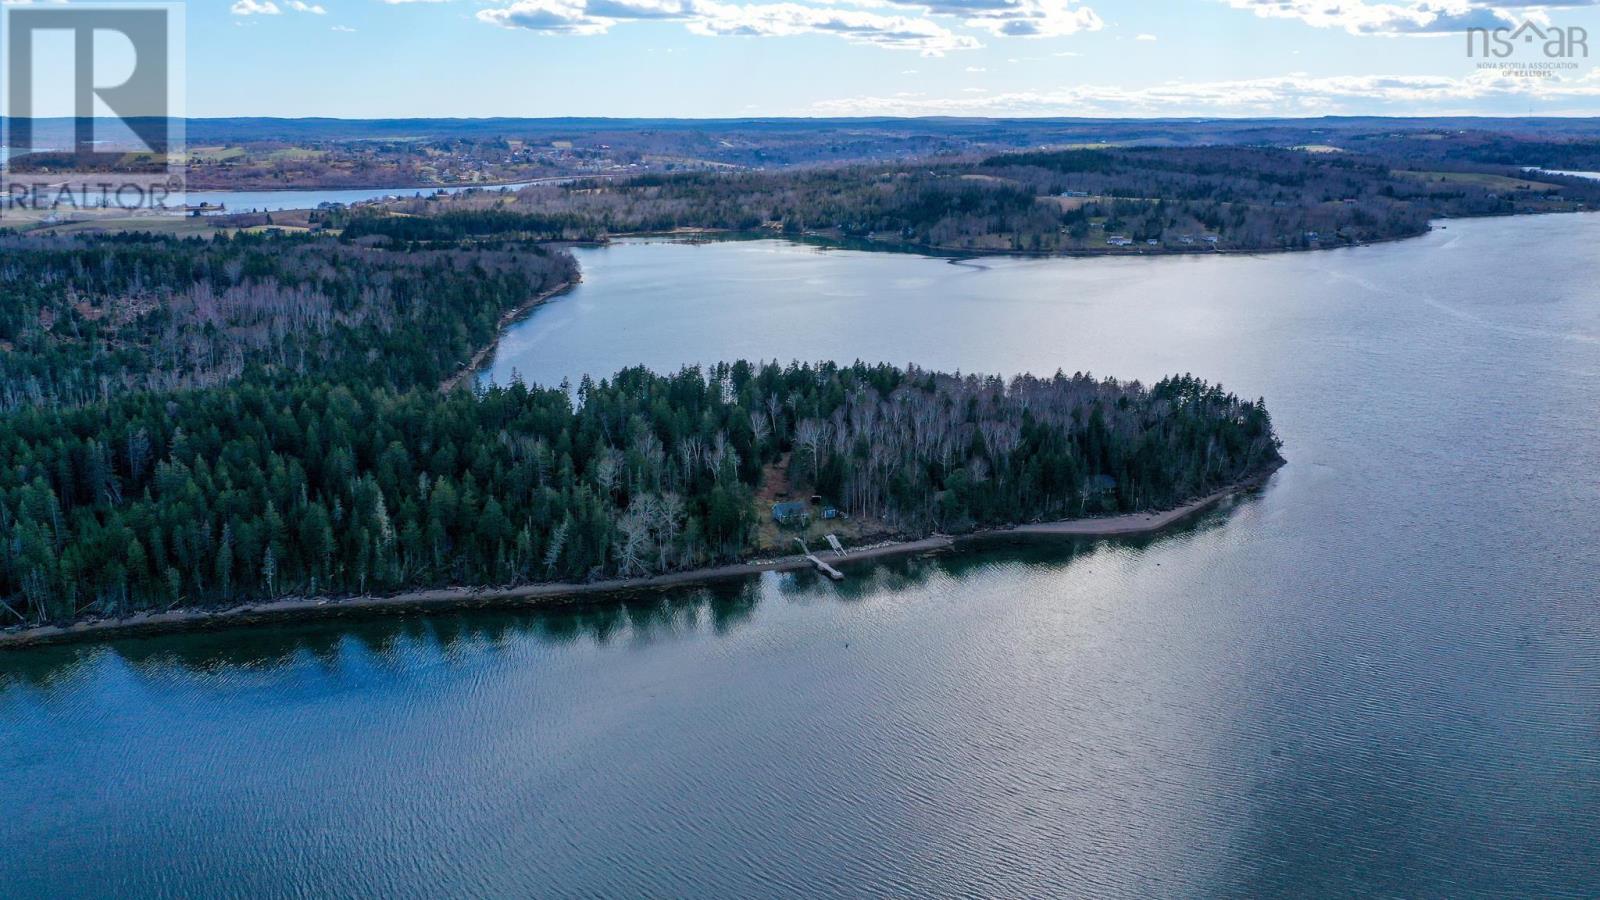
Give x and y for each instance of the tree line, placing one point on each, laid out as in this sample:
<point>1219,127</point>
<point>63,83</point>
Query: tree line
<point>325,460</point>
<point>83,318</point>
<point>1182,198</point>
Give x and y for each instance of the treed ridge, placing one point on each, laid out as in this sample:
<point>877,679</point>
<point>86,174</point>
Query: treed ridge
<point>251,491</point>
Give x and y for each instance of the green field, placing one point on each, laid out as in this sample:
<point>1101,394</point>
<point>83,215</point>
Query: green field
<point>1481,179</point>
<point>215,154</point>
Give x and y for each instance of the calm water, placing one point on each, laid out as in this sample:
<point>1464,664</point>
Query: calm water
<point>1381,674</point>
<point>1595,175</point>
<point>273,201</point>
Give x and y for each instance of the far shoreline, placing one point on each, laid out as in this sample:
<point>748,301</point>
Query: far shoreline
<point>822,240</point>
<point>552,595</point>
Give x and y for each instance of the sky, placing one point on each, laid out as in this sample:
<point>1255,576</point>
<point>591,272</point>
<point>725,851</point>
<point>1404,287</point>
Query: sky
<point>738,58</point>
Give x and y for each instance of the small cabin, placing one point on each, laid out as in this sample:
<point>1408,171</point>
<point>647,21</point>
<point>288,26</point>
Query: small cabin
<point>792,512</point>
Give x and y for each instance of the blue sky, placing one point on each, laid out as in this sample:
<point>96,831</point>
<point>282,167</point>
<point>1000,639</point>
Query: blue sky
<point>703,58</point>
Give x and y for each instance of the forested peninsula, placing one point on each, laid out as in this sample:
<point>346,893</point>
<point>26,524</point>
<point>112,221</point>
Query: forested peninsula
<point>205,423</point>
<point>1085,200</point>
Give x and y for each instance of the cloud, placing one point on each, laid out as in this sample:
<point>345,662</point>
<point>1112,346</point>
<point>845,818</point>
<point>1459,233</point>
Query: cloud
<point>1291,95</point>
<point>1145,37</point>
<point>638,9</point>
<point>916,28</point>
<point>270,8</point>
<point>1403,17</point>
<point>546,17</point>
<point>710,17</point>
<point>1015,18</point>
<point>898,32</point>
<point>254,8</point>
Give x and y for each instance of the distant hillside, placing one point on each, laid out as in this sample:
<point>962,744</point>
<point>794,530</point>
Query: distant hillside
<point>789,141</point>
<point>1099,200</point>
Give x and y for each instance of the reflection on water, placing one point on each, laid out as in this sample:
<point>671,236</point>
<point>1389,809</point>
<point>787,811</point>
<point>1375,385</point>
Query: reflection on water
<point>1378,676</point>
<point>394,738</point>
<point>637,618</point>
<point>391,640</point>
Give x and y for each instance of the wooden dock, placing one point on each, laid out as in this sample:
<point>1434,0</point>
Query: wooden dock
<point>824,568</point>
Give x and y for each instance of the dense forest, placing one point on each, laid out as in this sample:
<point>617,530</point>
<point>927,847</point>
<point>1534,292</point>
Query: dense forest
<point>212,422</point>
<point>1477,147</point>
<point>252,491</point>
<point>1189,199</point>
<point>84,318</point>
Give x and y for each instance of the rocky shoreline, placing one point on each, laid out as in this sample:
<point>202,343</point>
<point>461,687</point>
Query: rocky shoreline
<point>543,595</point>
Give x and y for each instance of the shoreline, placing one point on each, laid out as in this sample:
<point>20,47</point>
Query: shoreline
<point>685,235</point>
<point>540,596</point>
<point>471,368</point>
<point>867,245</point>
<point>405,188</point>
<point>698,235</point>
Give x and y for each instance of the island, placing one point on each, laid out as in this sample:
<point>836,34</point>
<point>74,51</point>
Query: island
<point>260,421</point>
